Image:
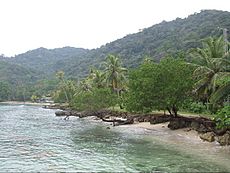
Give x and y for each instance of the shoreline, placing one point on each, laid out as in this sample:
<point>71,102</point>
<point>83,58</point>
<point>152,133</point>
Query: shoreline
<point>25,103</point>
<point>162,128</point>
<point>184,140</point>
<point>187,141</point>
<point>186,135</point>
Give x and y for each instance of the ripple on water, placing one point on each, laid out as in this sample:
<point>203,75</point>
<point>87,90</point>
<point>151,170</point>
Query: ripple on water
<point>33,139</point>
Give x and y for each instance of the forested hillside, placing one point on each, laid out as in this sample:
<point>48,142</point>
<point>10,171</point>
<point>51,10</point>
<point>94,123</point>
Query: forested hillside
<point>47,61</point>
<point>165,38</point>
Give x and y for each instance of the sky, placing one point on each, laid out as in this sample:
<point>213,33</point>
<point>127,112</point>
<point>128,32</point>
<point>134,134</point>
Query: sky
<point>30,24</point>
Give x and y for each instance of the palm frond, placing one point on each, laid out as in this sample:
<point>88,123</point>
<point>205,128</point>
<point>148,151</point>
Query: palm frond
<point>220,94</point>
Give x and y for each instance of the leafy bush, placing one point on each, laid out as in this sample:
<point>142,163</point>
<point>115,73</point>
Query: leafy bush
<point>98,98</point>
<point>159,86</point>
<point>223,117</point>
<point>197,107</point>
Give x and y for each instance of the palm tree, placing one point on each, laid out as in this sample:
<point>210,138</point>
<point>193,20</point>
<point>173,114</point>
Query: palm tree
<point>115,73</point>
<point>97,77</point>
<point>60,76</point>
<point>212,64</point>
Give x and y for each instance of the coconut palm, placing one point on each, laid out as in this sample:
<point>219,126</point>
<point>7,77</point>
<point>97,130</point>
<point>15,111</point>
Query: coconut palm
<point>212,64</point>
<point>60,76</point>
<point>114,72</point>
<point>97,77</point>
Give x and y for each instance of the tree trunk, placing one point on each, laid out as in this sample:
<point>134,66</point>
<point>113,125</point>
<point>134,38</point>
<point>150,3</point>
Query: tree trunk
<point>174,109</point>
<point>169,110</point>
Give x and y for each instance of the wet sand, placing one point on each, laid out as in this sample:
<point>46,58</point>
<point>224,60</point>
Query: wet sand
<point>174,136</point>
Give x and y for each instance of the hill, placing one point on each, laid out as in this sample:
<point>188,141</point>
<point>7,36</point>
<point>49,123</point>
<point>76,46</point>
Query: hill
<point>157,41</point>
<point>165,38</point>
<point>47,61</point>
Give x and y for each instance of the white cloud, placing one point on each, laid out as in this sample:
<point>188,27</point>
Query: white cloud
<point>29,24</point>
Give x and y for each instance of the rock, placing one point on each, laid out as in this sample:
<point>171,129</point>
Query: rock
<point>220,132</point>
<point>96,118</point>
<point>225,139</point>
<point>195,125</point>
<point>160,119</point>
<point>202,129</point>
<point>62,113</point>
<point>209,136</point>
<point>107,127</point>
<point>178,124</point>
<point>75,113</point>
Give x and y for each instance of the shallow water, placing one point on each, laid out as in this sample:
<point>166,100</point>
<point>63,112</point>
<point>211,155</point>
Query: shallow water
<point>33,139</point>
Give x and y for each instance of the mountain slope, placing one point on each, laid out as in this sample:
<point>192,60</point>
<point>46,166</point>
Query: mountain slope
<point>47,61</point>
<point>156,41</point>
<point>169,37</point>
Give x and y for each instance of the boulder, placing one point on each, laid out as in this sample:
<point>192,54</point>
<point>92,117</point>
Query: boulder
<point>160,119</point>
<point>209,136</point>
<point>225,139</point>
<point>203,129</point>
<point>195,125</point>
<point>62,113</point>
<point>75,113</point>
<point>178,124</point>
<point>220,132</point>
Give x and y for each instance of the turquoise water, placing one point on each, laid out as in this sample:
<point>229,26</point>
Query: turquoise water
<point>33,139</point>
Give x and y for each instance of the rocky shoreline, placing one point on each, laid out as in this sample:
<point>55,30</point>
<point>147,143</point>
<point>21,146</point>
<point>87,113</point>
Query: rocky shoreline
<point>205,127</point>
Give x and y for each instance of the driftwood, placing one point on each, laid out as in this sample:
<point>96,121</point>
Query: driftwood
<point>119,121</point>
<point>119,118</point>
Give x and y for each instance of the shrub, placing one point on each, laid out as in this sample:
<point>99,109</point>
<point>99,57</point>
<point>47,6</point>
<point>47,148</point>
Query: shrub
<point>197,107</point>
<point>98,98</point>
<point>223,117</point>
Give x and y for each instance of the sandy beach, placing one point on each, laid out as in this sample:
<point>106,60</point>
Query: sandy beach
<point>185,140</point>
<point>185,136</point>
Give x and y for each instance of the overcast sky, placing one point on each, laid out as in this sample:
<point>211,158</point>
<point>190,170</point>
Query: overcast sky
<point>30,24</point>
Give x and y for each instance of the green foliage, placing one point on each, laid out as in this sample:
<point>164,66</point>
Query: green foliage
<point>196,107</point>
<point>96,99</point>
<point>223,117</point>
<point>4,91</point>
<point>176,80</point>
<point>34,98</point>
<point>97,78</point>
<point>65,92</point>
<point>115,73</point>
<point>212,69</point>
<point>142,83</point>
<point>159,86</point>
<point>44,87</point>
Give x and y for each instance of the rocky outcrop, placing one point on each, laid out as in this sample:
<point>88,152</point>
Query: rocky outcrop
<point>225,139</point>
<point>56,106</point>
<point>68,113</point>
<point>178,124</point>
<point>209,136</point>
<point>200,124</point>
<point>103,115</point>
<point>160,119</point>
<point>62,113</point>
